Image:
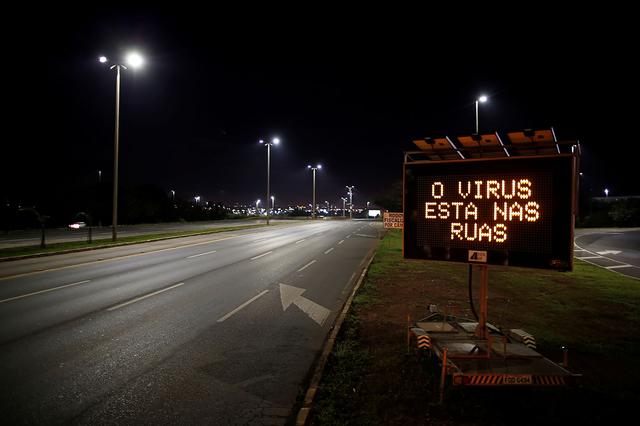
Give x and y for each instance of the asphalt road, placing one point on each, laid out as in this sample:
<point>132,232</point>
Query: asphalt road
<point>615,249</point>
<point>62,235</point>
<point>212,329</point>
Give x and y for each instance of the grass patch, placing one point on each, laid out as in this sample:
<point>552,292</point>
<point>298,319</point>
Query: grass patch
<point>370,379</point>
<point>107,242</point>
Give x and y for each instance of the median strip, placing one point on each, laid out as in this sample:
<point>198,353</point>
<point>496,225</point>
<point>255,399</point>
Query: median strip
<point>43,291</point>
<point>137,299</point>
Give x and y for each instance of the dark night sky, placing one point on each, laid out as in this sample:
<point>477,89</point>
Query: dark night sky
<point>348,90</point>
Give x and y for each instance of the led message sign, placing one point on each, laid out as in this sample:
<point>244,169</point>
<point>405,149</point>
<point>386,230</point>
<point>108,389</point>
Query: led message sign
<point>507,211</point>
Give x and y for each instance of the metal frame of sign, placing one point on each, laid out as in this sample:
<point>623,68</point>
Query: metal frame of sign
<point>546,245</point>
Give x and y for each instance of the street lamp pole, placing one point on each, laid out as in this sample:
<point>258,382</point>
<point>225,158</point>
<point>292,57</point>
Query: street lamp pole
<point>135,61</point>
<point>275,141</point>
<point>344,200</point>
<point>482,99</point>
<point>350,192</point>
<point>116,142</point>
<point>313,207</point>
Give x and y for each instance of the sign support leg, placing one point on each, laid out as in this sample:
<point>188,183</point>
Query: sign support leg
<point>481,329</point>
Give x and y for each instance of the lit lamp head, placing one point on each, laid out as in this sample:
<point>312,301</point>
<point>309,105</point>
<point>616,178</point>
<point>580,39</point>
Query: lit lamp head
<point>482,99</point>
<point>274,141</point>
<point>135,60</point>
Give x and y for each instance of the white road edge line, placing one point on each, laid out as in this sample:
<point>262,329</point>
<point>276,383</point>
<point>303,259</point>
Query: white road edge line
<point>329,251</point>
<point>619,266</point>
<point>260,255</point>
<point>201,254</point>
<point>590,257</point>
<point>236,310</point>
<point>137,299</point>
<point>307,265</point>
<point>58,268</point>
<point>299,241</point>
<point>43,291</point>
<point>614,270</point>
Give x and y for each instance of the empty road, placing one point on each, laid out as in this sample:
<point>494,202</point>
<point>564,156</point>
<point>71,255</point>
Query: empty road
<point>215,329</point>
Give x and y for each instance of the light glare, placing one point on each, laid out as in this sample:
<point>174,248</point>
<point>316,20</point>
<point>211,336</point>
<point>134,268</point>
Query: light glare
<point>482,98</point>
<point>102,59</point>
<point>135,60</point>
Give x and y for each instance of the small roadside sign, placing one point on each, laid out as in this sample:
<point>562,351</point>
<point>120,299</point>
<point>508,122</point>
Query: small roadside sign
<point>393,220</point>
<point>477,256</point>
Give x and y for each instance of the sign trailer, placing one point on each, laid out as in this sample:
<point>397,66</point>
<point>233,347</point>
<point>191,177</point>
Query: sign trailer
<point>482,202</point>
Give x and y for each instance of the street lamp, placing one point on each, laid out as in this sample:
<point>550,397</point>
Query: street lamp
<point>606,192</point>
<point>482,99</point>
<point>173,195</point>
<point>313,207</point>
<point>273,204</point>
<point>197,198</point>
<point>350,192</point>
<point>134,60</point>
<point>344,200</point>
<point>274,141</point>
<point>257,212</point>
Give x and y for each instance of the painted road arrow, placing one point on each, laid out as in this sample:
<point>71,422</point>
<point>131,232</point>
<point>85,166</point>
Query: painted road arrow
<point>293,295</point>
<point>609,252</point>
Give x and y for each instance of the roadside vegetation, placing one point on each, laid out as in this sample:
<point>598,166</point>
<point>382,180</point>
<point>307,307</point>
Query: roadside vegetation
<point>56,248</point>
<point>373,378</point>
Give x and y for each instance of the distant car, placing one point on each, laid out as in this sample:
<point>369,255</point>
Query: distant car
<point>77,225</point>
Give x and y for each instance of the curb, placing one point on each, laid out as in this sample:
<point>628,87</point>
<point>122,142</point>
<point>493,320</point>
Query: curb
<point>303,413</point>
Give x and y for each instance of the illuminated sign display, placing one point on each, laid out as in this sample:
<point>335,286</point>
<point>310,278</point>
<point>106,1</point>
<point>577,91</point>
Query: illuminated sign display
<point>507,211</point>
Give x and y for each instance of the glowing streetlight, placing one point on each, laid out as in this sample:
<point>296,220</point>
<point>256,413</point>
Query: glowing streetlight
<point>134,60</point>
<point>313,207</point>
<point>257,212</point>
<point>606,192</point>
<point>344,200</point>
<point>273,203</point>
<point>482,99</point>
<point>274,141</point>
